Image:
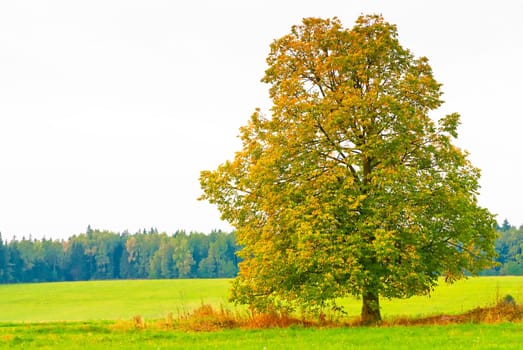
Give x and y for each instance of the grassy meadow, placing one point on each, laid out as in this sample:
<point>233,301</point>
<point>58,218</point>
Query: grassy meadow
<point>97,315</point>
<point>107,300</point>
<point>153,299</point>
<point>98,335</point>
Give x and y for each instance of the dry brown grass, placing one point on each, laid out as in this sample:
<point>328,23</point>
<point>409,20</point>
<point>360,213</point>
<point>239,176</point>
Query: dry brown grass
<point>207,318</point>
<point>505,310</point>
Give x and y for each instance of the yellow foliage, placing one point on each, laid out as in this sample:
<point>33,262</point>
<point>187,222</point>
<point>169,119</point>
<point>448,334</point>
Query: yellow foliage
<point>349,187</point>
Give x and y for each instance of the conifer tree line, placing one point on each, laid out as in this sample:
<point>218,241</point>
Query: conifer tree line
<point>148,254</point>
<point>99,255</point>
<point>509,247</point>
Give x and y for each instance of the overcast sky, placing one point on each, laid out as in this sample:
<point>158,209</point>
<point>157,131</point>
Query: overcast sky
<point>109,109</point>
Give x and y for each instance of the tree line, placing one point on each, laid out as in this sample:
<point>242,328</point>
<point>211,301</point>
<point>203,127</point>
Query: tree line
<point>509,247</point>
<point>98,255</point>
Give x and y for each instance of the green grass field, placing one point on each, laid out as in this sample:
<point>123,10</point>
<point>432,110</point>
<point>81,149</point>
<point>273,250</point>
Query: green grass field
<point>107,300</point>
<point>117,300</point>
<point>83,315</point>
<point>98,335</point>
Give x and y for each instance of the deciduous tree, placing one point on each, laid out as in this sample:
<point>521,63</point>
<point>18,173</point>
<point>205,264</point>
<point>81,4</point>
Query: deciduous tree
<point>349,187</point>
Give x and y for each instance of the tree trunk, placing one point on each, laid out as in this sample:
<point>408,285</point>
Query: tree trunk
<point>370,310</point>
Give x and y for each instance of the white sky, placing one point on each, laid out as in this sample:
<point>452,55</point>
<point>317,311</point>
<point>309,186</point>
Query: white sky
<point>109,109</point>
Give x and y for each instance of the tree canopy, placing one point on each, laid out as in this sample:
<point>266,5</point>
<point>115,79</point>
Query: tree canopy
<point>349,187</point>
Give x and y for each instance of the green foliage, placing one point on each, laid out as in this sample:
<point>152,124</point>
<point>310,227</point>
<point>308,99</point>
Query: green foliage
<point>99,255</point>
<point>349,187</point>
<point>509,248</point>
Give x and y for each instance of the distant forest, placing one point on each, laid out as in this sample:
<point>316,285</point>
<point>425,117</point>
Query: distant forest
<point>148,254</point>
<point>99,255</point>
<point>509,246</point>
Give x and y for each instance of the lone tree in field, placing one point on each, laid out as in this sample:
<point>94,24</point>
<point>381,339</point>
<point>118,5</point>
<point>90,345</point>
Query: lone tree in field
<point>349,187</point>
